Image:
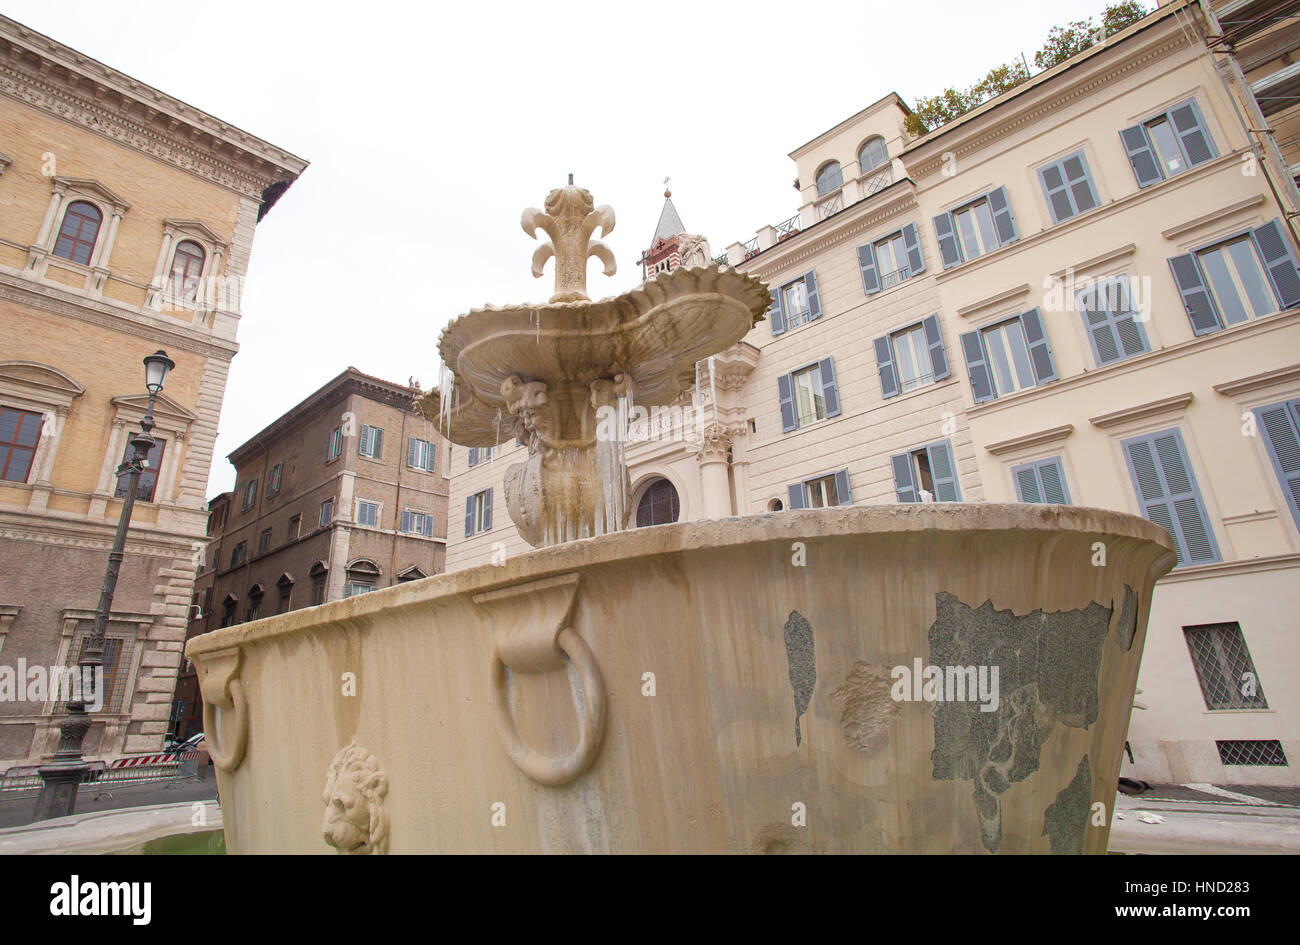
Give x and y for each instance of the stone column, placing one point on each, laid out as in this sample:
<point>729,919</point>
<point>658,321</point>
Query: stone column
<point>713,459</point>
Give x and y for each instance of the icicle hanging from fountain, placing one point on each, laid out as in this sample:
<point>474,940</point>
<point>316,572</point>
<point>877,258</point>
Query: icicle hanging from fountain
<point>446,384</point>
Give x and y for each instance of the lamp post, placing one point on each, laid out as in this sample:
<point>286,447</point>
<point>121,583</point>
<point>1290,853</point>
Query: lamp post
<point>63,775</point>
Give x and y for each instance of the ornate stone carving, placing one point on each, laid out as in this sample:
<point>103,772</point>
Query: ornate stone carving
<point>694,250</point>
<point>355,821</point>
<point>571,217</point>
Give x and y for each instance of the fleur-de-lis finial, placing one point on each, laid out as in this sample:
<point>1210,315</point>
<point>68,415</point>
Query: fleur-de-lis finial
<point>570,219</point>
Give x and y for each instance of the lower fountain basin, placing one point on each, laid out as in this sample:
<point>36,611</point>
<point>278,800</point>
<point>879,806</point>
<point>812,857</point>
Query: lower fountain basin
<point>743,685</point>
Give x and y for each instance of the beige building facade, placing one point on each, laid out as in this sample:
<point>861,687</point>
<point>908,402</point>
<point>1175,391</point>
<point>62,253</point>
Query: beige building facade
<point>1082,291</point>
<point>126,226</point>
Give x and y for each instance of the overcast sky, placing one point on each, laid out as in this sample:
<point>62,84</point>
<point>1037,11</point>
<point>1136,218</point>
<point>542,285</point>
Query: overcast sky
<point>429,127</point>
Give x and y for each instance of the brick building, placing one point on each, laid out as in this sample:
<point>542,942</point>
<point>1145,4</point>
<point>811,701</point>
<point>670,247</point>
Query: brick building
<point>344,493</point>
<point>126,226</point>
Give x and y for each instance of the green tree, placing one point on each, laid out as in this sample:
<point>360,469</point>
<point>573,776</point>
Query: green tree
<point>1062,43</point>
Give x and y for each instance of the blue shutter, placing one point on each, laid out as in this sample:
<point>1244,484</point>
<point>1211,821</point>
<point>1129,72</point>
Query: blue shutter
<point>885,367</point>
<point>1281,423</point>
<point>487,510</point>
<point>814,300</point>
<point>1201,310</point>
<point>1191,130</point>
<point>1075,168</point>
<point>1052,476</point>
<point>867,266</point>
<point>981,379</point>
<point>1028,488</point>
<point>934,341</point>
<point>795,493</point>
<point>428,525</point>
<point>469,516</point>
<point>406,520</point>
<point>912,244</point>
<point>785,389</point>
<point>1003,221</point>
<point>1168,494</point>
<point>1058,197</point>
<point>377,437</point>
<point>1040,352</point>
<point>777,313</point>
<point>471,458</point>
<point>943,471</point>
<point>1097,323</point>
<point>1141,155</point>
<point>904,479</point>
<point>1280,261</point>
<point>1128,327</point>
<point>830,391</point>
<point>949,250</point>
<point>842,488</point>
<point>412,452</point>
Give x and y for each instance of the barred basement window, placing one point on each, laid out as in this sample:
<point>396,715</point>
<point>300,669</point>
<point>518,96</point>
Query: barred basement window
<point>1265,752</point>
<point>1224,667</point>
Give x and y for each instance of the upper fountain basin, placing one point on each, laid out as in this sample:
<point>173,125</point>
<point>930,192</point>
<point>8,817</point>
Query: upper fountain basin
<point>654,334</point>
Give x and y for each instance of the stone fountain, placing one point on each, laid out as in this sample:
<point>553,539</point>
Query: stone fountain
<point>892,678</point>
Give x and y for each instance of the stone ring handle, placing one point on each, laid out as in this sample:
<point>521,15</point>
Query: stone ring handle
<point>222,689</point>
<point>543,768</point>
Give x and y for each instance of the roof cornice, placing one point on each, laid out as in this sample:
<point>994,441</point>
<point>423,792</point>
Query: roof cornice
<point>51,77</point>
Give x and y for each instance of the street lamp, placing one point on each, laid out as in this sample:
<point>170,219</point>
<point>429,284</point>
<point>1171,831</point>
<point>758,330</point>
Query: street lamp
<point>64,774</point>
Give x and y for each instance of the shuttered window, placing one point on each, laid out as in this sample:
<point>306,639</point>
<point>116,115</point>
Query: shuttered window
<point>1247,276</point>
<point>1168,144</point>
<point>372,442</point>
<point>334,444</point>
<point>976,228</point>
<point>795,303</point>
<point>890,260</point>
<point>417,522</point>
<point>478,512</point>
<point>911,358</point>
<point>1067,183</point>
<point>819,492</point>
<point>929,470</point>
<point>421,454</point>
<point>1009,356</point>
<point>1041,481</point>
<point>1168,493</point>
<point>478,454</point>
<point>1281,426</point>
<point>808,395</point>
<point>367,513</point>
<point>1112,321</point>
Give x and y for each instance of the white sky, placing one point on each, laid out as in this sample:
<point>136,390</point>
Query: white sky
<point>429,127</point>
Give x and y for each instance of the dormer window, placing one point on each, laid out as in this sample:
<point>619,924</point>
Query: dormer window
<point>872,154</point>
<point>829,179</point>
<point>79,231</point>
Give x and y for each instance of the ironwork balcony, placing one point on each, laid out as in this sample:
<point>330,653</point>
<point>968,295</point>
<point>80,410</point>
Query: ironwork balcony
<point>787,228</point>
<point>751,247</point>
<point>894,278</point>
<point>721,260</point>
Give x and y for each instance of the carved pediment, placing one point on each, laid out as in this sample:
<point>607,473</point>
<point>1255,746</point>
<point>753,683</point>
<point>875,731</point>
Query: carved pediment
<point>199,229</point>
<point>164,409</point>
<point>39,381</point>
<point>92,188</point>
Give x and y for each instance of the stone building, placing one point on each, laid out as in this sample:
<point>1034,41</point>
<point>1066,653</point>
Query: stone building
<point>126,225</point>
<point>1084,290</point>
<point>344,493</point>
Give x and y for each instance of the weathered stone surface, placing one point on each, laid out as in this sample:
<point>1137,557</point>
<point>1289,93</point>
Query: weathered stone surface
<point>707,763</point>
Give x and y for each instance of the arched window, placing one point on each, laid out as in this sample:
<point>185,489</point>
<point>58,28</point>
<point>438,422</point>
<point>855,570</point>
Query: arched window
<point>872,154</point>
<point>776,505</point>
<point>363,576</point>
<point>77,235</point>
<point>658,506</point>
<point>187,267</point>
<point>829,179</point>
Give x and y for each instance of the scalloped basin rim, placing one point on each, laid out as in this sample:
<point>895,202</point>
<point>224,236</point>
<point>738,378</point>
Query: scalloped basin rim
<point>694,536</point>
